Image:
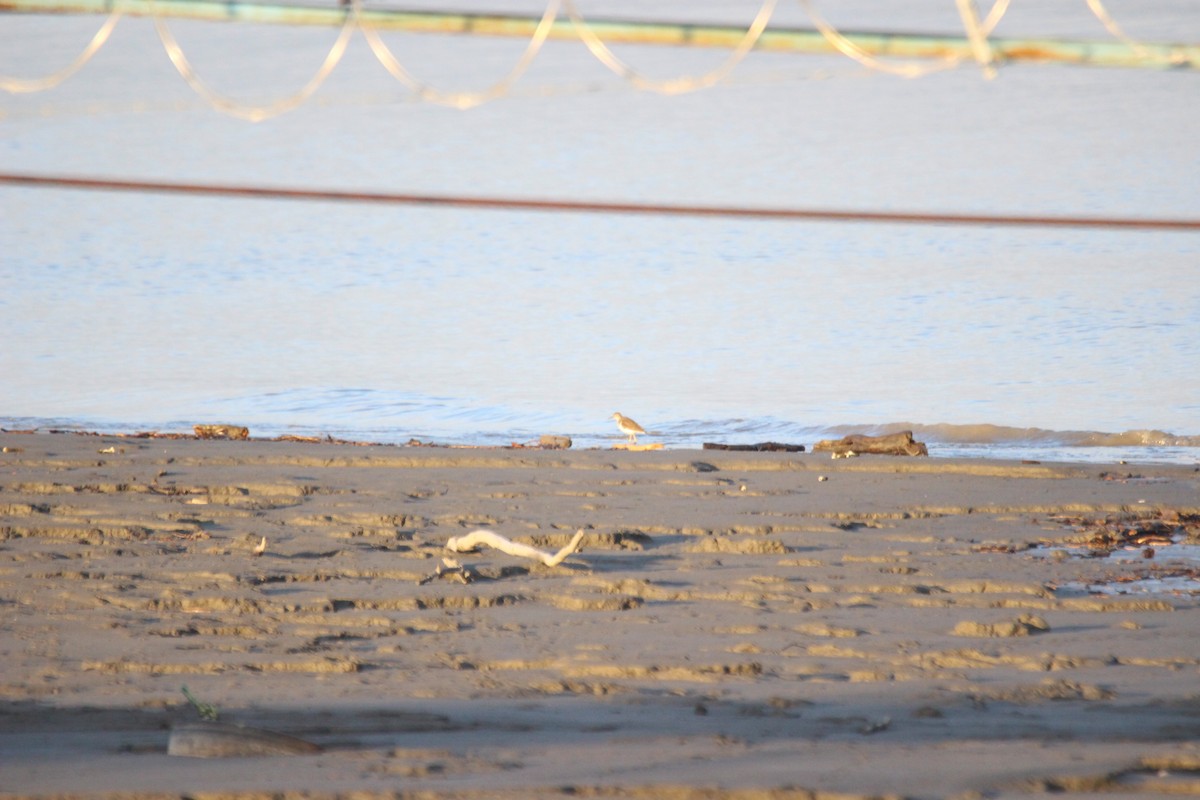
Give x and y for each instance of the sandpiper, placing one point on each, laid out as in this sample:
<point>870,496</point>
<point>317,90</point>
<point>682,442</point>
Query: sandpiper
<point>628,427</point>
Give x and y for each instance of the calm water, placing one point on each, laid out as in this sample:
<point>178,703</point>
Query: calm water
<point>132,312</point>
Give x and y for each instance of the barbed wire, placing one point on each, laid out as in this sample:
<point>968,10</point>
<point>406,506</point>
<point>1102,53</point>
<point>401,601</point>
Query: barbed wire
<point>597,207</point>
<point>234,108</point>
<point>462,100</point>
<point>605,56</point>
<point>29,85</point>
<point>977,31</point>
<point>977,35</point>
<point>1118,33</point>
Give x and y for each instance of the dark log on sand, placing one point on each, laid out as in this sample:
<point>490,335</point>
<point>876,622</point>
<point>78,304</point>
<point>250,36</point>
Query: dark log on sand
<point>893,444</point>
<point>763,447</point>
<point>219,740</point>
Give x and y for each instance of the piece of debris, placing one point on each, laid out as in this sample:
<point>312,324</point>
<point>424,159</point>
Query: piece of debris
<point>1128,531</point>
<point>448,568</point>
<point>221,432</point>
<point>207,711</point>
<point>761,447</point>
<point>261,547</point>
<point>551,442</point>
<point>892,444</point>
<point>876,727</point>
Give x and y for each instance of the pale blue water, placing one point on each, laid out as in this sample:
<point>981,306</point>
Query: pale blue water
<point>134,312</point>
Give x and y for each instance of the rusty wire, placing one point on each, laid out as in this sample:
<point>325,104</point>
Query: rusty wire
<point>597,207</point>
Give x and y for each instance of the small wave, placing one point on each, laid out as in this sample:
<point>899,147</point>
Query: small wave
<point>984,434</point>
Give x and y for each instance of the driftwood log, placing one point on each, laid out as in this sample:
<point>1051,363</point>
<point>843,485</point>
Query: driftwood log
<point>485,538</point>
<point>893,444</point>
<point>761,447</point>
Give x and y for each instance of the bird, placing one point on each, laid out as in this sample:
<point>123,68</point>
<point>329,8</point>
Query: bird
<point>628,427</point>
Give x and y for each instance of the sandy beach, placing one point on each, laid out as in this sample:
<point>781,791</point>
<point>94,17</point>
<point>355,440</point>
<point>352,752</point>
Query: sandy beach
<point>734,625</point>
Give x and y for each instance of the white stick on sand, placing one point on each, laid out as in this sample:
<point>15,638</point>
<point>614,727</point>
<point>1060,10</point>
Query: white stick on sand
<point>474,539</point>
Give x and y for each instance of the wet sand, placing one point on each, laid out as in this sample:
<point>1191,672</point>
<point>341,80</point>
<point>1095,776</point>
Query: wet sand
<point>736,625</point>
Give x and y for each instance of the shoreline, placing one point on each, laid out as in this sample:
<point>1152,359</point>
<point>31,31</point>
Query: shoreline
<point>1105,451</point>
<point>734,622</point>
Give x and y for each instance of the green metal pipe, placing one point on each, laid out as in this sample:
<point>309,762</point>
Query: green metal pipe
<point>797,40</point>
